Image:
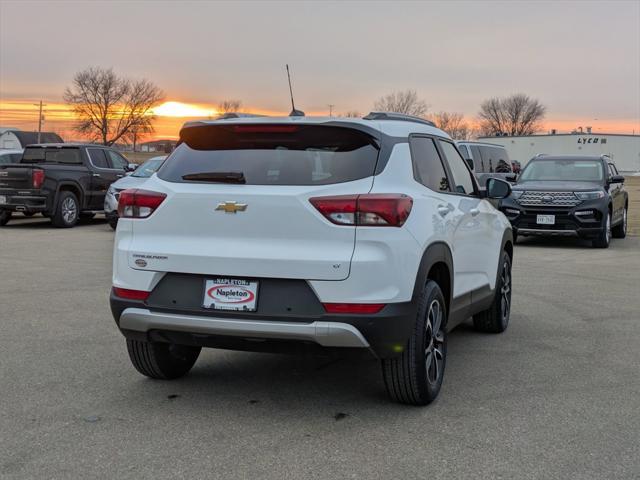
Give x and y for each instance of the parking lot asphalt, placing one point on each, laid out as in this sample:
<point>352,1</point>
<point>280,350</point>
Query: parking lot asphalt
<point>555,397</point>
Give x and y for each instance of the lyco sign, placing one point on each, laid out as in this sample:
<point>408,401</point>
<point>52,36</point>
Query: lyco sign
<point>600,140</point>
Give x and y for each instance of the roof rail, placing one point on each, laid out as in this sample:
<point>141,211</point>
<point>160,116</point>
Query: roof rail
<point>397,116</point>
<point>228,115</point>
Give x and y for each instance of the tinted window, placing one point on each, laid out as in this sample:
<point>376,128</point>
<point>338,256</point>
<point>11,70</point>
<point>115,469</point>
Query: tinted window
<point>477,159</point>
<point>51,155</point>
<point>464,151</point>
<point>563,170</point>
<point>98,158</point>
<point>116,161</point>
<point>263,154</point>
<point>427,164</point>
<point>612,169</point>
<point>148,168</point>
<point>461,174</point>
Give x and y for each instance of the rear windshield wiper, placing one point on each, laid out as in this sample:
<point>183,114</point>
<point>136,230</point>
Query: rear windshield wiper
<point>217,177</point>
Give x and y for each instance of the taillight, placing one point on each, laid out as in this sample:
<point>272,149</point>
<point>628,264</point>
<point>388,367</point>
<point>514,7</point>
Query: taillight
<point>353,307</point>
<point>37,178</point>
<point>130,294</point>
<point>368,210</point>
<point>138,203</point>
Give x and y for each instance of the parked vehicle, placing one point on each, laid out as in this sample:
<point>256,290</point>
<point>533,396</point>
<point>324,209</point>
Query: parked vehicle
<point>487,160</point>
<point>275,234</point>
<point>10,156</point>
<point>569,195</point>
<point>137,178</point>
<point>516,166</point>
<point>65,181</point>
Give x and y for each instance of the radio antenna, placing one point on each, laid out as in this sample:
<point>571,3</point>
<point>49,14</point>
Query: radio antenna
<point>294,112</point>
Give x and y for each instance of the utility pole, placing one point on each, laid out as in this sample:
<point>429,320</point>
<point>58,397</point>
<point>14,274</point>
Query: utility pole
<point>40,117</point>
<point>331,109</point>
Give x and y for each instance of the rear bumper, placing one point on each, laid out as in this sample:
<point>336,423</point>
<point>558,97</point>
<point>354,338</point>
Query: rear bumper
<point>384,334</point>
<point>24,203</point>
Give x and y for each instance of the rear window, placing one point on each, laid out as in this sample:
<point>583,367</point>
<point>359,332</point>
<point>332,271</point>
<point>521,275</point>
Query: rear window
<point>51,155</point>
<point>263,154</point>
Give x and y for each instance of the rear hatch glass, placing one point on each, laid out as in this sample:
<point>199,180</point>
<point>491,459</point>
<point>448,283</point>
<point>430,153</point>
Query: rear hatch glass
<point>266,154</point>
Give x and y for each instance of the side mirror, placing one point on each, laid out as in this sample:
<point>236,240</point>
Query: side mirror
<point>131,167</point>
<point>616,179</point>
<point>469,162</point>
<point>497,188</point>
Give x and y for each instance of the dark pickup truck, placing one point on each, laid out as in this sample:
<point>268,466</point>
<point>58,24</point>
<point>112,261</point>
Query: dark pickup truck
<point>65,181</point>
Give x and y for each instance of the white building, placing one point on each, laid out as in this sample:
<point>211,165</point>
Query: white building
<point>623,149</point>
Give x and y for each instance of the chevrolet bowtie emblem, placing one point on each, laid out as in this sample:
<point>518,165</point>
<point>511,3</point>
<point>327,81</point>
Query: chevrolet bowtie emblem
<point>232,207</point>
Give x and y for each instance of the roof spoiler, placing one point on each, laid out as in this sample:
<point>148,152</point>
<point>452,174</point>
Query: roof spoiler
<point>398,117</point>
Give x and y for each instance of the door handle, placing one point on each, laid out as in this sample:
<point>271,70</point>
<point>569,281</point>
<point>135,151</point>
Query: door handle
<point>119,175</point>
<point>95,174</point>
<point>474,212</point>
<point>443,210</point>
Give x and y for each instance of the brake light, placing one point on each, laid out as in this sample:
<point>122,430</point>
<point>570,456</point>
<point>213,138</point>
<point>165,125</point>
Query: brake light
<point>368,210</point>
<point>37,178</point>
<point>265,128</point>
<point>130,294</point>
<point>138,203</point>
<point>353,307</point>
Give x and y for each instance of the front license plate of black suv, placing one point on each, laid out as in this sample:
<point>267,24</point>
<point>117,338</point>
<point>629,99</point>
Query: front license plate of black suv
<point>230,294</point>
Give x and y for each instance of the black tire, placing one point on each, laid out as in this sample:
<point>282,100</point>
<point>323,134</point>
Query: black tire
<point>67,211</point>
<point>5,216</point>
<point>163,361</point>
<point>113,222</point>
<point>604,237</point>
<point>620,230</point>
<point>496,318</point>
<point>415,376</point>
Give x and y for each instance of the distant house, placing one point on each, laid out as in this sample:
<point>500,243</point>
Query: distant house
<point>17,139</point>
<point>163,146</point>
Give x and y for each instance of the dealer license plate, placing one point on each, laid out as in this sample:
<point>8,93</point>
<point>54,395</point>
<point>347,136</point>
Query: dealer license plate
<point>230,294</point>
<point>3,199</point>
<point>546,219</point>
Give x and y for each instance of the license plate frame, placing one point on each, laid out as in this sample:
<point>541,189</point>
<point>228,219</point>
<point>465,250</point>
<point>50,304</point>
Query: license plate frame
<point>545,219</point>
<point>230,294</point>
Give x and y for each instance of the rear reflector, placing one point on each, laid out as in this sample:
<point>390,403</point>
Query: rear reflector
<point>130,294</point>
<point>37,178</point>
<point>138,203</point>
<point>353,307</point>
<point>369,210</point>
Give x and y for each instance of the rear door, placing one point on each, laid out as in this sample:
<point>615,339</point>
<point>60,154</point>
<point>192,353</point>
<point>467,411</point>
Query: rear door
<point>238,201</point>
<point>102,176</point>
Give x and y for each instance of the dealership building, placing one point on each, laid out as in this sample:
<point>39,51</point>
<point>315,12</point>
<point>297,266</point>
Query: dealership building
<point>623,149</point>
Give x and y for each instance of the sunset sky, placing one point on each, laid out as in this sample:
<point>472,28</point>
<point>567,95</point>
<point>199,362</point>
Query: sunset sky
<point>581,59</point>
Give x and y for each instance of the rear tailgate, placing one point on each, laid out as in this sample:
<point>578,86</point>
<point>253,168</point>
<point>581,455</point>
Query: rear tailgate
<point>259,223</point>
<point>15,177</point>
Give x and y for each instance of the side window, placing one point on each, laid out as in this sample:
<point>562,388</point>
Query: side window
<point>487,159</point>
<point>427,164</point>
<point>477,159</point>
<point>98,158</point>
<point>613,170</point>
<point>464,150</point>
<point>462,177</point>
<point>502,162</point>
<point>117,161</point>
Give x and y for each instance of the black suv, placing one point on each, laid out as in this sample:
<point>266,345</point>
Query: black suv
<point>63,181</point>
<point>569,195</point>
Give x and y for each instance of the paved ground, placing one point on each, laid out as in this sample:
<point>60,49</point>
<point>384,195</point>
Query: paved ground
<point>555,397</point>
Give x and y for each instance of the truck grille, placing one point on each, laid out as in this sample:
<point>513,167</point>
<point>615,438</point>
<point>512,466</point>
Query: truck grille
<point>549,199</point>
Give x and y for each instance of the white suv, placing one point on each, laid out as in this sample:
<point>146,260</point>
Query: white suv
<point>280,234</point>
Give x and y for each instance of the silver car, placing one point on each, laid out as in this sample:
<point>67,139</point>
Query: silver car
<point>137,178</point>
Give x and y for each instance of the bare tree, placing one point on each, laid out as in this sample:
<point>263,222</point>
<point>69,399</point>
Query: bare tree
<point>514,115</point>
<point>229,106</point>
<point>406,102</point>
<point>453,123</point>
<point>352,114</point>
<point>108,106</point>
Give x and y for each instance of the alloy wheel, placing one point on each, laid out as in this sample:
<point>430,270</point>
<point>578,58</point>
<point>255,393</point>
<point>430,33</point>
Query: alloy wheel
<point>608,232</point>
<point>434,342</point>
<point>69,210</point>
<point>505,292</point>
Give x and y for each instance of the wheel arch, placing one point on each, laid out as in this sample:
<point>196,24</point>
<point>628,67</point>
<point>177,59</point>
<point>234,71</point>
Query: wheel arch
<point>436,264</point>
<point>72,187</point>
